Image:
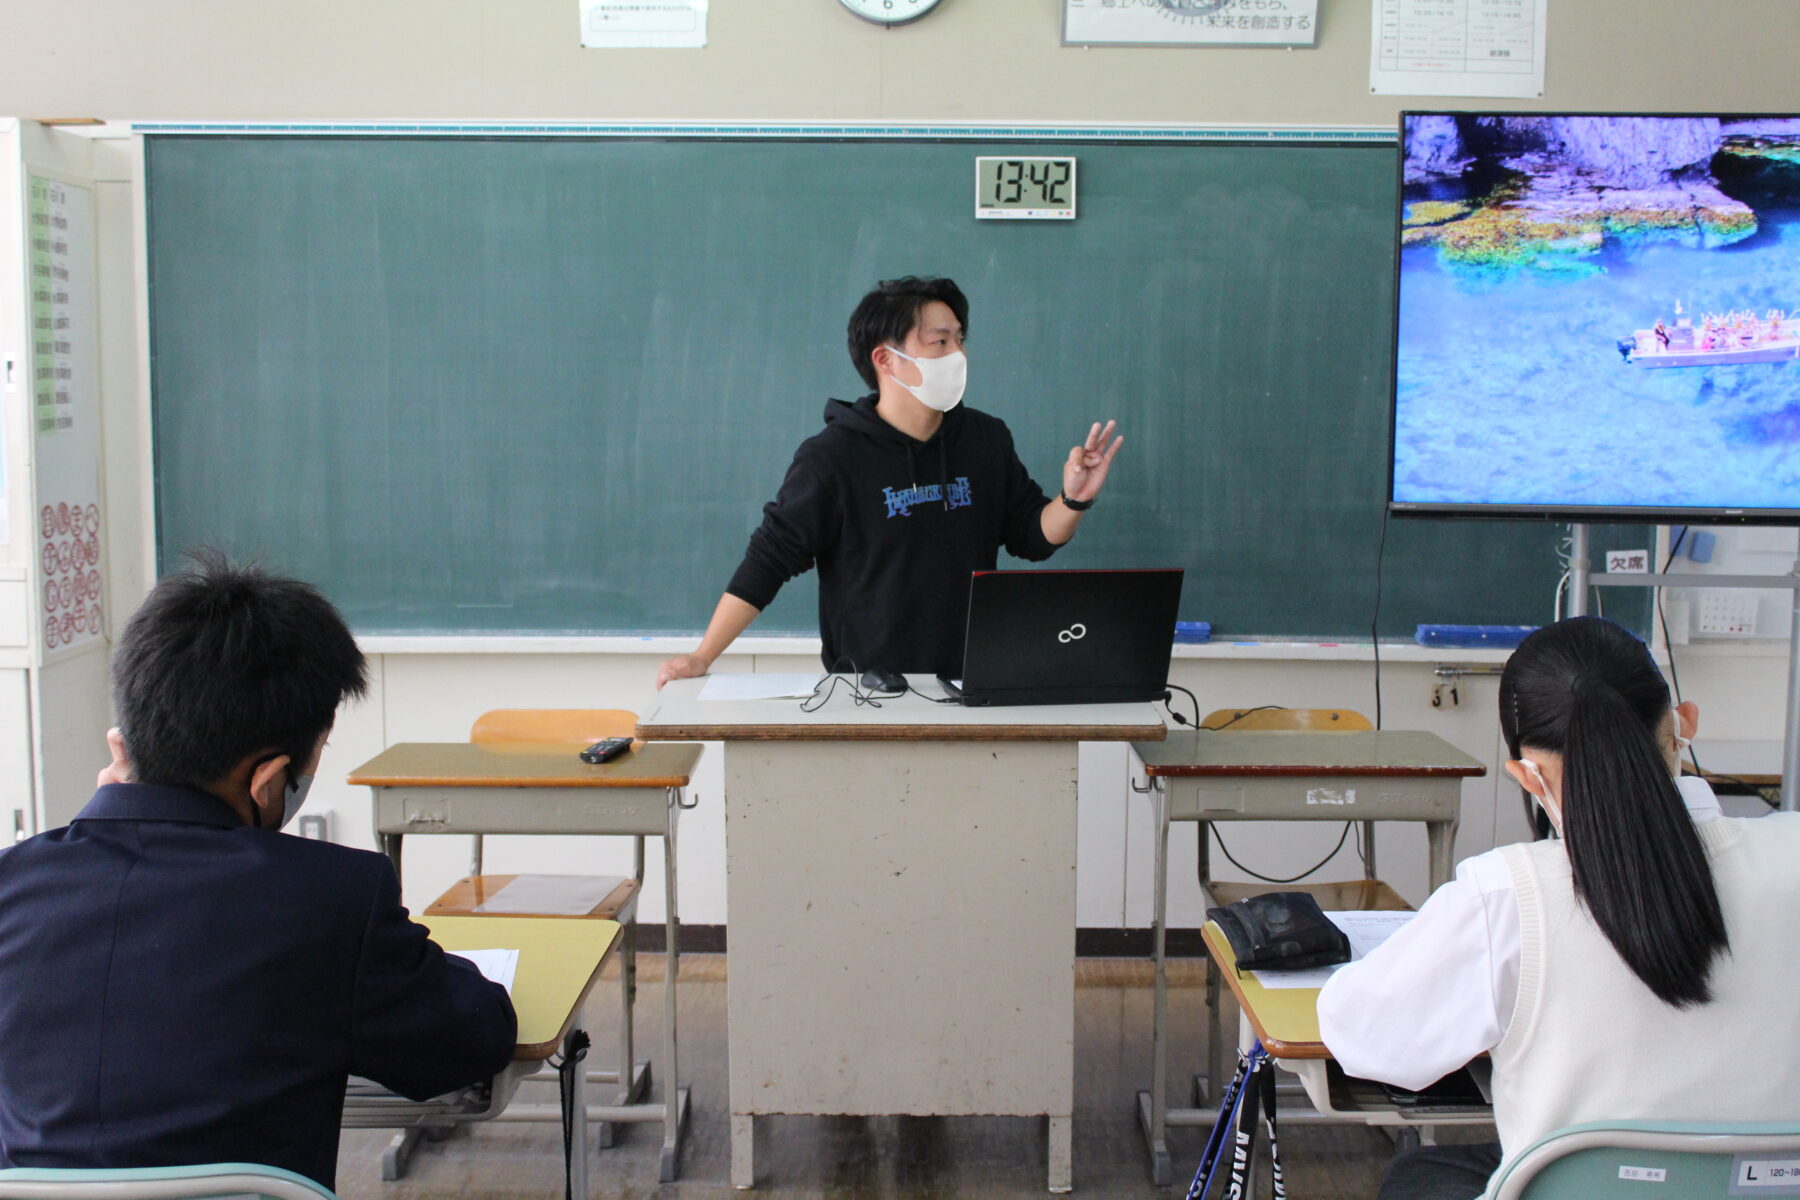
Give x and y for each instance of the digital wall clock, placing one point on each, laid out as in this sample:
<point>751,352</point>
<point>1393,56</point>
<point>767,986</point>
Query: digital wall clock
<point>890,12</point>
<point>1031,189</point>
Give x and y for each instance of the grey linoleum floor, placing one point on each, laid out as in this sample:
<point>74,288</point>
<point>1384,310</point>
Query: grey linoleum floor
<point>927,1158</point>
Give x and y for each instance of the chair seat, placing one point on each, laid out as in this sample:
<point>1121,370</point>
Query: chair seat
<point>1349,895</point>
<point>467,893</point>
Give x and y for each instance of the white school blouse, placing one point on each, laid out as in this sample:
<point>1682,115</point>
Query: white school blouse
<point>1442,990</point>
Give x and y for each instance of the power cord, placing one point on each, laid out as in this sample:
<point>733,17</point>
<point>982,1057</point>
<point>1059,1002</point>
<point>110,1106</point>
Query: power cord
<point>1229,857</point>
<point>859,695</point>
<point>1240,716</point>
<point>1168,698</point>
<point>1663,619</point>
<point>1375,620</point>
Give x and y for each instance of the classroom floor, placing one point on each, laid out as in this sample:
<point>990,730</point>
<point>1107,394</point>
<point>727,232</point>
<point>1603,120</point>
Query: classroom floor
<point>927,1158</point>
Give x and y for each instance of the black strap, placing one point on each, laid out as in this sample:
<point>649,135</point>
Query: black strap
<point>1277,1185</point>
<point>574,1051</point>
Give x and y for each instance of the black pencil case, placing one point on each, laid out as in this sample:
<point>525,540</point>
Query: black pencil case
<point>1279,930</point>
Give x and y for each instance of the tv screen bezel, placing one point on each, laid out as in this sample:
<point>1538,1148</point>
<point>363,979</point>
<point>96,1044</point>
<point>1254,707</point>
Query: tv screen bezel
<point>1576,513</point>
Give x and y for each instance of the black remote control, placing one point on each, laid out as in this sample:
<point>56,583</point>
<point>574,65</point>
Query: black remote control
<point>605,751</point>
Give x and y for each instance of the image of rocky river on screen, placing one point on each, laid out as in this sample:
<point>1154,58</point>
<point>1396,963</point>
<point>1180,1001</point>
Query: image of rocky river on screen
<point>1599,311</point>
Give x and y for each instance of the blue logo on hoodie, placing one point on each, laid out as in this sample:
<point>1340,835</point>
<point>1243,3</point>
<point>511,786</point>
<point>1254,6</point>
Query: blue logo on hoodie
<point>901,500</point>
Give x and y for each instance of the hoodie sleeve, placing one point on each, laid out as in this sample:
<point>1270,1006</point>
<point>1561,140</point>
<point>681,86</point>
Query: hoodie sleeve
<point>797,527</point>
<point>1025,502</point>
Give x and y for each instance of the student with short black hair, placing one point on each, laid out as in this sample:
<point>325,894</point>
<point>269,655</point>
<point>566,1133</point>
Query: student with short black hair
<point>1652,921</point>
<point>900,498</point>
<point>180,982</point>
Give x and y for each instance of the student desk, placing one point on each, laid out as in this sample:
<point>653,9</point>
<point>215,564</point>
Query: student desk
<point>559,961</point>
<point>1286,1021</point>
<point>902,896</point>
<point>1279,775</point>
<point>463,787</point>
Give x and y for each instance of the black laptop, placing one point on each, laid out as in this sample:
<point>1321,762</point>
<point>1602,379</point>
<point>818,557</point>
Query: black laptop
<point>1067,637</point>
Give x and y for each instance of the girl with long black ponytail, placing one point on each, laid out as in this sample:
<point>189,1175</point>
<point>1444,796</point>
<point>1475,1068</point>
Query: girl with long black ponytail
<point>1600,974</point>
<point>1587,692</point>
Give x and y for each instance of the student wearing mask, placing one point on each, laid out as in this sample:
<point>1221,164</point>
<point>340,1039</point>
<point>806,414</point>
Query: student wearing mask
<point>1650,921</point>
<point>899,498</point>
<point>181,982</point>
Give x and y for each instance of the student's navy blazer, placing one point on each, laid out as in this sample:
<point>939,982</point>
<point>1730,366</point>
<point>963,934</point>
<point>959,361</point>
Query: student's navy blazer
<point>177,988</point>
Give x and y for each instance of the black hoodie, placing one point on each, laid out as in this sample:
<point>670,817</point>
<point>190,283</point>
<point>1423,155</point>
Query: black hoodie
<point>895,526</point>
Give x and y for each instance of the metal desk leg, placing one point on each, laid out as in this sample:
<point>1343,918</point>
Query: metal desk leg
<point>390,846</point>
<point>578,1151</point>
<point>743,1151</point>
<point>1208,1088</point>
<point>1062,1148</point>
<point>397,1155</point>
<point>1153,1105</point>
<point>1440,837</point>
<point>675,1093</point>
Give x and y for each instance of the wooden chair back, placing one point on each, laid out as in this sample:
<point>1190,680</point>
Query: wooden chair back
<point>1314,720</point>
<point>552,726</point>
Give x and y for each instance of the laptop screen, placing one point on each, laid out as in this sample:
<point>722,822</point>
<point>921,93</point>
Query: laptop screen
<point>1103,635</point>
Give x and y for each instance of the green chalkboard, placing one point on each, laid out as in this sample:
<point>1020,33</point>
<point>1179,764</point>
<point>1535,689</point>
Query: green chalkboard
<point>522,385</point>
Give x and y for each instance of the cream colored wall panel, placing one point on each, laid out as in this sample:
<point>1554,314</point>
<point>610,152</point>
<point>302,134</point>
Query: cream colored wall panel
<point>357,736</point>
<point>15,612</point>
<point>18,790</point>
<point>71,713</point>
<point>984,60</point>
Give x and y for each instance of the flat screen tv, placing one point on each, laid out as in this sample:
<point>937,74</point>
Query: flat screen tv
<point>1598,317</point>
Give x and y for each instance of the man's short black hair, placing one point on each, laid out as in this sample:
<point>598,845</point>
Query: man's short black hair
<point>222,661</point>
<point>890,312</point>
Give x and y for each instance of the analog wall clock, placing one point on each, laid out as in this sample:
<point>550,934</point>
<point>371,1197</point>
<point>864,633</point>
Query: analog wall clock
<point>890,12</point>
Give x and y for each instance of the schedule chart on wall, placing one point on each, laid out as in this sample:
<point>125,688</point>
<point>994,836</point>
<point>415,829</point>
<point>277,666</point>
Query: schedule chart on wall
<point>1458,47</point>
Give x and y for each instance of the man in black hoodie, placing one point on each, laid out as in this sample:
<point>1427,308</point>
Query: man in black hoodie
<point>899,498</point>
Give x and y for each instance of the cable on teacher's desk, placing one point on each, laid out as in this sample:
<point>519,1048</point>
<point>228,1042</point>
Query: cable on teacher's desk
<point>1168,696</point>
<point>859,695</point>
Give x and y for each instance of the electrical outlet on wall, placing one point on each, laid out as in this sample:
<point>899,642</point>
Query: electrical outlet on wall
<point>316,826</point>
<point>1731,612</point>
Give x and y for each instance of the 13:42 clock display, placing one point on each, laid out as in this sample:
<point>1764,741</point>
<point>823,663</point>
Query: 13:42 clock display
<point>1032,189</point>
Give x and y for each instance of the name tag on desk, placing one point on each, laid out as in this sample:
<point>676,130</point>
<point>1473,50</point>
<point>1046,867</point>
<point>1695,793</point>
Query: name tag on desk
<point>1331,797</point>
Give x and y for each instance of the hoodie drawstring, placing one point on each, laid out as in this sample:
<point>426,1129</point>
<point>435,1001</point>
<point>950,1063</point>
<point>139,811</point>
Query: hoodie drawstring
<point>912,469</point>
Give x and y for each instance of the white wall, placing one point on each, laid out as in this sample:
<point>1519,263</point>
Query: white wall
<point>982,60</point>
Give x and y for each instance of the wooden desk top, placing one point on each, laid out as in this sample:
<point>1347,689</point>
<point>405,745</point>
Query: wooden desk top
<point>466,764</point>
<point>1285,1019</point>
<point>1284,752</point>
<point>558,963</point>
<point>680,715</point>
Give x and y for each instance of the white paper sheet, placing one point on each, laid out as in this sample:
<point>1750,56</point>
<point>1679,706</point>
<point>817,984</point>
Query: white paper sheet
<point>1191,23</point>
<point>1458,47</point>
<point>498,965</point>
<point>768,686</point>
<point>551,895</point>
<point>1366,930</point>
<point>652,24</point>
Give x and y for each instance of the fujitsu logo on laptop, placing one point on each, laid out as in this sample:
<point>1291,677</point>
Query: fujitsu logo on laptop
<point>1073,633</point>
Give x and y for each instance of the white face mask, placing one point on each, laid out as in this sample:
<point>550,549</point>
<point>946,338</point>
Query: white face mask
<point>941,380</point>
<point>1551,808</point>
